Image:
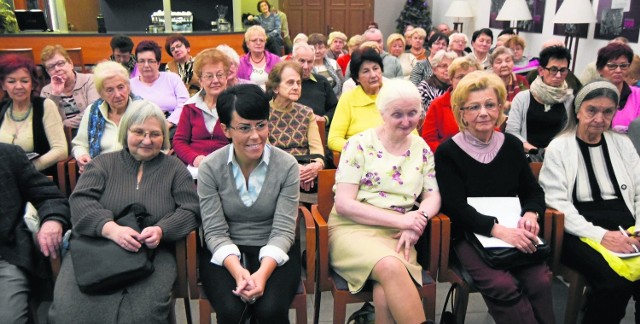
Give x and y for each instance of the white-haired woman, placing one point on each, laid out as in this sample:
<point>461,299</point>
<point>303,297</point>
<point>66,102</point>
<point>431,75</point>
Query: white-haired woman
<point>439,82</point>
<point>383,171</point>
<point>457,43</point>
<point>234,62</point>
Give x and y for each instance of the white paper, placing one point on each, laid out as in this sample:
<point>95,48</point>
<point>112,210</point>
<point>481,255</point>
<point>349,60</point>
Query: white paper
<point>194,171</point>
<point>626,255</point>
<point>505,209</point>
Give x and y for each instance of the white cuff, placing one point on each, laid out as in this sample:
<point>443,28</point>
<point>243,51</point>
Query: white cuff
<point>223,253</point>
<point>174,117</point>
<point>275,253</point>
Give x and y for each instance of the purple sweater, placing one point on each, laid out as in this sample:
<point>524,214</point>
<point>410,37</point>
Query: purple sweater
<point>192,137</point>
<point>168,91</point>
<point>630,112</point>
<point>245,69</point>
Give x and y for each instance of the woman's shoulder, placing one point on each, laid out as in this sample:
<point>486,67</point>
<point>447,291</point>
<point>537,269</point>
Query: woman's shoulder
<point>302,108</point>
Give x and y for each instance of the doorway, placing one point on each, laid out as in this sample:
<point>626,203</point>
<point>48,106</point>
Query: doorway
<point>324,16</point>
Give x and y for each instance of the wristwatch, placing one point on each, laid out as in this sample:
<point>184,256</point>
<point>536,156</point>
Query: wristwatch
<point>424,213</point>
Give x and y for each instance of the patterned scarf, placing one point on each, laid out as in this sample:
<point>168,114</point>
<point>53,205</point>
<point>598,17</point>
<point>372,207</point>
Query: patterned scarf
<point>96,128</point>
<point>548,95</point>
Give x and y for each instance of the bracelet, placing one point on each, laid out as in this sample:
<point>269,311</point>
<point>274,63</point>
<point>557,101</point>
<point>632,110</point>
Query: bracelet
<point>424,213</point>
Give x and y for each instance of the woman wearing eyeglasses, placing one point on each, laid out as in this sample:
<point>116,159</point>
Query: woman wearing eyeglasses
<point>538,114</point>
<point>482,162</point>
<point>165,89</point>
<point>591,175</point>
<point>250,266</point>
<point>199,131</point>
<point>178,47</point>
<point>71,91</point>
<point>613,63</point>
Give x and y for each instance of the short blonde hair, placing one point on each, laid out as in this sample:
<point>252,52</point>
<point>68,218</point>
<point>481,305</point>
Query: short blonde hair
<point>254,30</point>
<point>395,89</point>
<point>355,41</point>
<point>136,114</point>
<point>463,63</point>
<point>50,51</point>
<point>419,30</point>
<point>336,35</point>
<point>371,44</point>
<point>477,81</point>
<point>107,70</point>
<point>394,37</point>
<point>515,40</point>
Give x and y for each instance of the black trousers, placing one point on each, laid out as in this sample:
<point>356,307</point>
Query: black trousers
<point>272,307</point>
<point>610,293</point>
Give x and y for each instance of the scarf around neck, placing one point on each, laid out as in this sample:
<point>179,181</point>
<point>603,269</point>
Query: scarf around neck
<point>477,149</point>
<point>549,95</point>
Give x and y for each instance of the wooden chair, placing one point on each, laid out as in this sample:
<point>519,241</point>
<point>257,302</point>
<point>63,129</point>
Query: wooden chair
<point>61,166</point>
<point>451,271</point>
<point>75,54</point>
<point>25,52</point>
<point>328,280</point>
<point>306,285</point>
<point>322,124</point>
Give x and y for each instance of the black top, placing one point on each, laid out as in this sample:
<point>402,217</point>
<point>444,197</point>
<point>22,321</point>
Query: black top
<point>543,126</point>
<point>507,175</point>
<point>319,96</point>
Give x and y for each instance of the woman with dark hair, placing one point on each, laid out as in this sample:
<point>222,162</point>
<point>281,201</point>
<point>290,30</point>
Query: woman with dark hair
<point>613,63</point>
<point>29,121</point>
<point>325,66</point>
<point>356,110</point>
<point>250,266</point>
<point>591,175</point>
<point>481,41</point>
<point>423,69</point>
<point>270,22</point>
<point>165,89</point>
<point>178,47</point>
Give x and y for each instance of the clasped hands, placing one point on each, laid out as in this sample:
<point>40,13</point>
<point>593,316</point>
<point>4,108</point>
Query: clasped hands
<point>413,225</point>
<point>308,174</point>
<point>249,287</point>
<point>524,237</point>
<point>129,239</point>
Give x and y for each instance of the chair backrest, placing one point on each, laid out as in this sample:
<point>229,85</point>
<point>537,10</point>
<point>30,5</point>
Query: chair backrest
<point>322,123</point>
<point>26,52</point>
<point>503,126</point>
<point>326,180</point>
<point>75,54</point>
<point>535,168</point>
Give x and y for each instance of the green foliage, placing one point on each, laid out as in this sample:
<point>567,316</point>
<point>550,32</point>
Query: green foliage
<point>416,13</point>
<point>8,22</point>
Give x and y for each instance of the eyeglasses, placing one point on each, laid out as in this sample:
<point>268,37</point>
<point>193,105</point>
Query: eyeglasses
<point>554,70</point>
<point>140,133</point>
<point>246,129</point>
<point>593,111</point>
<point>613,66</point>
<point>209,76</point>
<point>58,64</point>
<point>149,62</point>
<point>475,108</point>
<point>175,47</point>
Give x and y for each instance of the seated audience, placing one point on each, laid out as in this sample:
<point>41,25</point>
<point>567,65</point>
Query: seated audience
<point>482,162</point>
<point>417,36</point>
<point>29,121</point>
<point>392,68</point>
<point>292,126</point>
<point>374,226</point>
<point>444,28</point>
<point>98,130</point>
<point>324,65</point>
<point>538,114</point>
<point>353,44</point>
<point>521,63</point>
<point>590,72</point>
<point>572,80</point>
<point>457,43</point>
<point>439,123</point>
<point>121,48</point>
<point>336,42</point>
<point>178,47</point>
<point>395,45</point>
<point>199,131</point>
<point>270,22</point>
<point>356,110</point>
<point>423,70</point>
<point>234,62</point>
<point>256,64</point>
<point>164,187</point>
<point>26,274</point>
<point>71,91</point>
<point>633,75</point>
<point>591,175</point>
<point>250,266</point>
<point>481,41</point>
<point>501,60</point>
<point>439,82</point>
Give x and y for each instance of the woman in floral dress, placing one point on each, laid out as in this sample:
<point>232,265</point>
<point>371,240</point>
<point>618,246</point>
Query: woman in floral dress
<point>372,227</point>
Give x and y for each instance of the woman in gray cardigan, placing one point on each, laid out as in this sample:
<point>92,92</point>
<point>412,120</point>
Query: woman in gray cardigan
<point>249,200</point>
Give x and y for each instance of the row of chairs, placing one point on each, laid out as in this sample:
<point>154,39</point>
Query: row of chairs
<point>74,53</point>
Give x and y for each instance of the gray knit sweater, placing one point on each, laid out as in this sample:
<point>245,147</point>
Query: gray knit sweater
<point>269,221</point>
<point>109,185</point>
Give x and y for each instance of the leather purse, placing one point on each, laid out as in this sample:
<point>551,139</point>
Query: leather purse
<point>101,266</point>
<point>508,258</point>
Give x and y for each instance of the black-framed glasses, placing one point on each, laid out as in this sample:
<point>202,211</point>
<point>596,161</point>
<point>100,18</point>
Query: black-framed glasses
<point>614,66</point>
<point>246,129</point>
<point>554,70</point>
<point>58,64</point>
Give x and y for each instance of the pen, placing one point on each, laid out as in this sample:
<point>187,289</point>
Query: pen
<point>627,235</point>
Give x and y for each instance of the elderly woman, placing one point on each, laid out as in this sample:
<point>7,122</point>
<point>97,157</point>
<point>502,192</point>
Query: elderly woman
<point>71,91</point>
<point>292,126</point>
<point>234,62</point>
<point>417,49</point>
<point>271,23</point>
<point>26,274</point>
<point>257,63</point>
<point>423,70</point>
<point>481,41</point>
<point>591,175</point>
<point>457,43</point>
<point>29,121</point>
<point>165,89</point>
<point>356,110</point>
<point>251,264</point>
<point>521,63</point>
<point>482,162</point>
<point>538,114</point>
<point>98,131</point>
<point>353,44</point>
<point>140,173</point>
<point>439,123</point>
<point>373,226</point>
<point>395,45</point>
<point>501,60</point>
<point>178,47</point>
<point>613,63</point>
<point>199,131</point>
<point>325,66</point>
<point>336,42</point>
<point>439,82</point>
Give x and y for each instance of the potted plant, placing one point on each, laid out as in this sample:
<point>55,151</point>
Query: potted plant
<point>8,22</point>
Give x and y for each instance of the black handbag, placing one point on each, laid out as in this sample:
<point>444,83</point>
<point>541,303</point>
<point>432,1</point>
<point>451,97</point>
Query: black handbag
<point>508,258</point>
<point>101,266</point>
